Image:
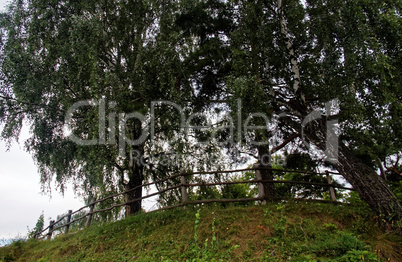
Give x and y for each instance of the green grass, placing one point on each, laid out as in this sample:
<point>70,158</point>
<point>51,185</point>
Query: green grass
<point>274,232</point>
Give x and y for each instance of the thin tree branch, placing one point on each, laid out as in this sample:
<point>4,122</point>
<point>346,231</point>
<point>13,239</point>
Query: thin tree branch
<point>287,141</point>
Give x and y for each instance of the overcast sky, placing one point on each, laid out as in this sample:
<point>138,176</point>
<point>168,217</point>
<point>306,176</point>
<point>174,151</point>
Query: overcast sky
<point>21,201</point>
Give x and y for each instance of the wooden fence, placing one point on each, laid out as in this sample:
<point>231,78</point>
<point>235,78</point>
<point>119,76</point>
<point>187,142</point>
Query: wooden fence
<point>263,196</point>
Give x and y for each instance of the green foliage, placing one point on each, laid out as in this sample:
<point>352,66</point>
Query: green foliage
<point>32,234</point>
<point>289,59</point>
<point>233,191</point>
<point>119,55</point>
<point>358,255</point>
<point>354,198</point>
<point>331,227</point>
<point>206,192</point>
<point>227,191</point>
<point>301,162</point>
<point>344,50</point>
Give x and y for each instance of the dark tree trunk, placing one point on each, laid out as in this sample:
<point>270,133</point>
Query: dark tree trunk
<point>369,185</point>
<point>136,177</point>
<point>135,173</point>
<point>364,179</point>
<point>133,207</point>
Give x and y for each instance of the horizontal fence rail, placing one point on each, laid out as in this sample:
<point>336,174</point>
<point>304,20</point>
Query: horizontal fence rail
<point>184,186</point>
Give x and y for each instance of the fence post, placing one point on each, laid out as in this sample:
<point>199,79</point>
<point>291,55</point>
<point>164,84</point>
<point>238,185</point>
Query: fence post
<point>91,210</point>
<point>183,181</point>
<point>331,188</point>
<point>51,225</point>
<point>261,191</point>
<point>68,221</point>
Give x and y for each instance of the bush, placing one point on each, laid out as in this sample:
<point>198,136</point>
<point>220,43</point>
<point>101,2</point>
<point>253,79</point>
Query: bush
<point>38,227</point>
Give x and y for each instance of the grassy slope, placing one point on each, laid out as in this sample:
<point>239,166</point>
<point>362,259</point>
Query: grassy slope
<point>274,232</point>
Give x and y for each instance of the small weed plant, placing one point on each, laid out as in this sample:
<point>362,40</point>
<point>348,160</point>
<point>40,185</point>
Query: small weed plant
<point>357,255</point>
<point>205,252</point>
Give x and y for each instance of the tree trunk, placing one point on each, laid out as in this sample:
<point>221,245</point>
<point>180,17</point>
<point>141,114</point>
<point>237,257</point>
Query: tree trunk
<point>133,207</point>
<point>369,185</point>
<point>365,180</point>
<point>136,177</point>
<point>135,172</point>
<point>264,161</point>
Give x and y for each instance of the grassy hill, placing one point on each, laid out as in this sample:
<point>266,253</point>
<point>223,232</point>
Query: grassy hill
<point>273,232</point>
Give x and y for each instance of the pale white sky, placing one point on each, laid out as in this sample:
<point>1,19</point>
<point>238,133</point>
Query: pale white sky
<point>21,202</point>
